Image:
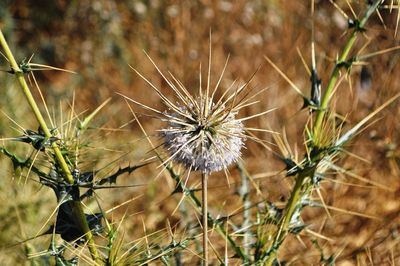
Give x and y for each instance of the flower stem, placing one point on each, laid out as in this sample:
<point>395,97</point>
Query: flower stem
<point>77,207</point>
<point>204,209</point>
<point>219,228</point>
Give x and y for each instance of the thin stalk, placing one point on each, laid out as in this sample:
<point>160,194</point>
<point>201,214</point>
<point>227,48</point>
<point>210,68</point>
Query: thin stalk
<point>204,210</point>
<point>77,207</point>
<point>336,71</point>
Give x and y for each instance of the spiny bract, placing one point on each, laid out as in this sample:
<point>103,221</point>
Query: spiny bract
<point>203,136</point>
<point>203,133</point>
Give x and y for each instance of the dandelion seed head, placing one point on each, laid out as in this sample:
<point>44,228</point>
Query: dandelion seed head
<point>205,141</point>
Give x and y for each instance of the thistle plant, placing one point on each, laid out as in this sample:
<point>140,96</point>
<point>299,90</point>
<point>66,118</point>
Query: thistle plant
<point>59,169</point>
<point>203,132</point>
<point>325,139</point>
<point>203,136</point>
<point>76,206</point>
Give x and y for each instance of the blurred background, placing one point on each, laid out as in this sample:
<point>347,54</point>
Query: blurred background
<point>100,40</point>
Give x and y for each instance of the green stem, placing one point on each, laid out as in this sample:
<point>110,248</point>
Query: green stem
<point>284,224</point>
<point>77,206</point>
<point>336,71</point>
<point>302,185</point>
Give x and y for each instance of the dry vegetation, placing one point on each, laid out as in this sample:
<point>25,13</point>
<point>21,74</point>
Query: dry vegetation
<point>358,221</point>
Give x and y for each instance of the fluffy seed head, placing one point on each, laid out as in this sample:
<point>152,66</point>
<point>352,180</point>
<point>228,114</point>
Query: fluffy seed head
<point>203,136</point>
